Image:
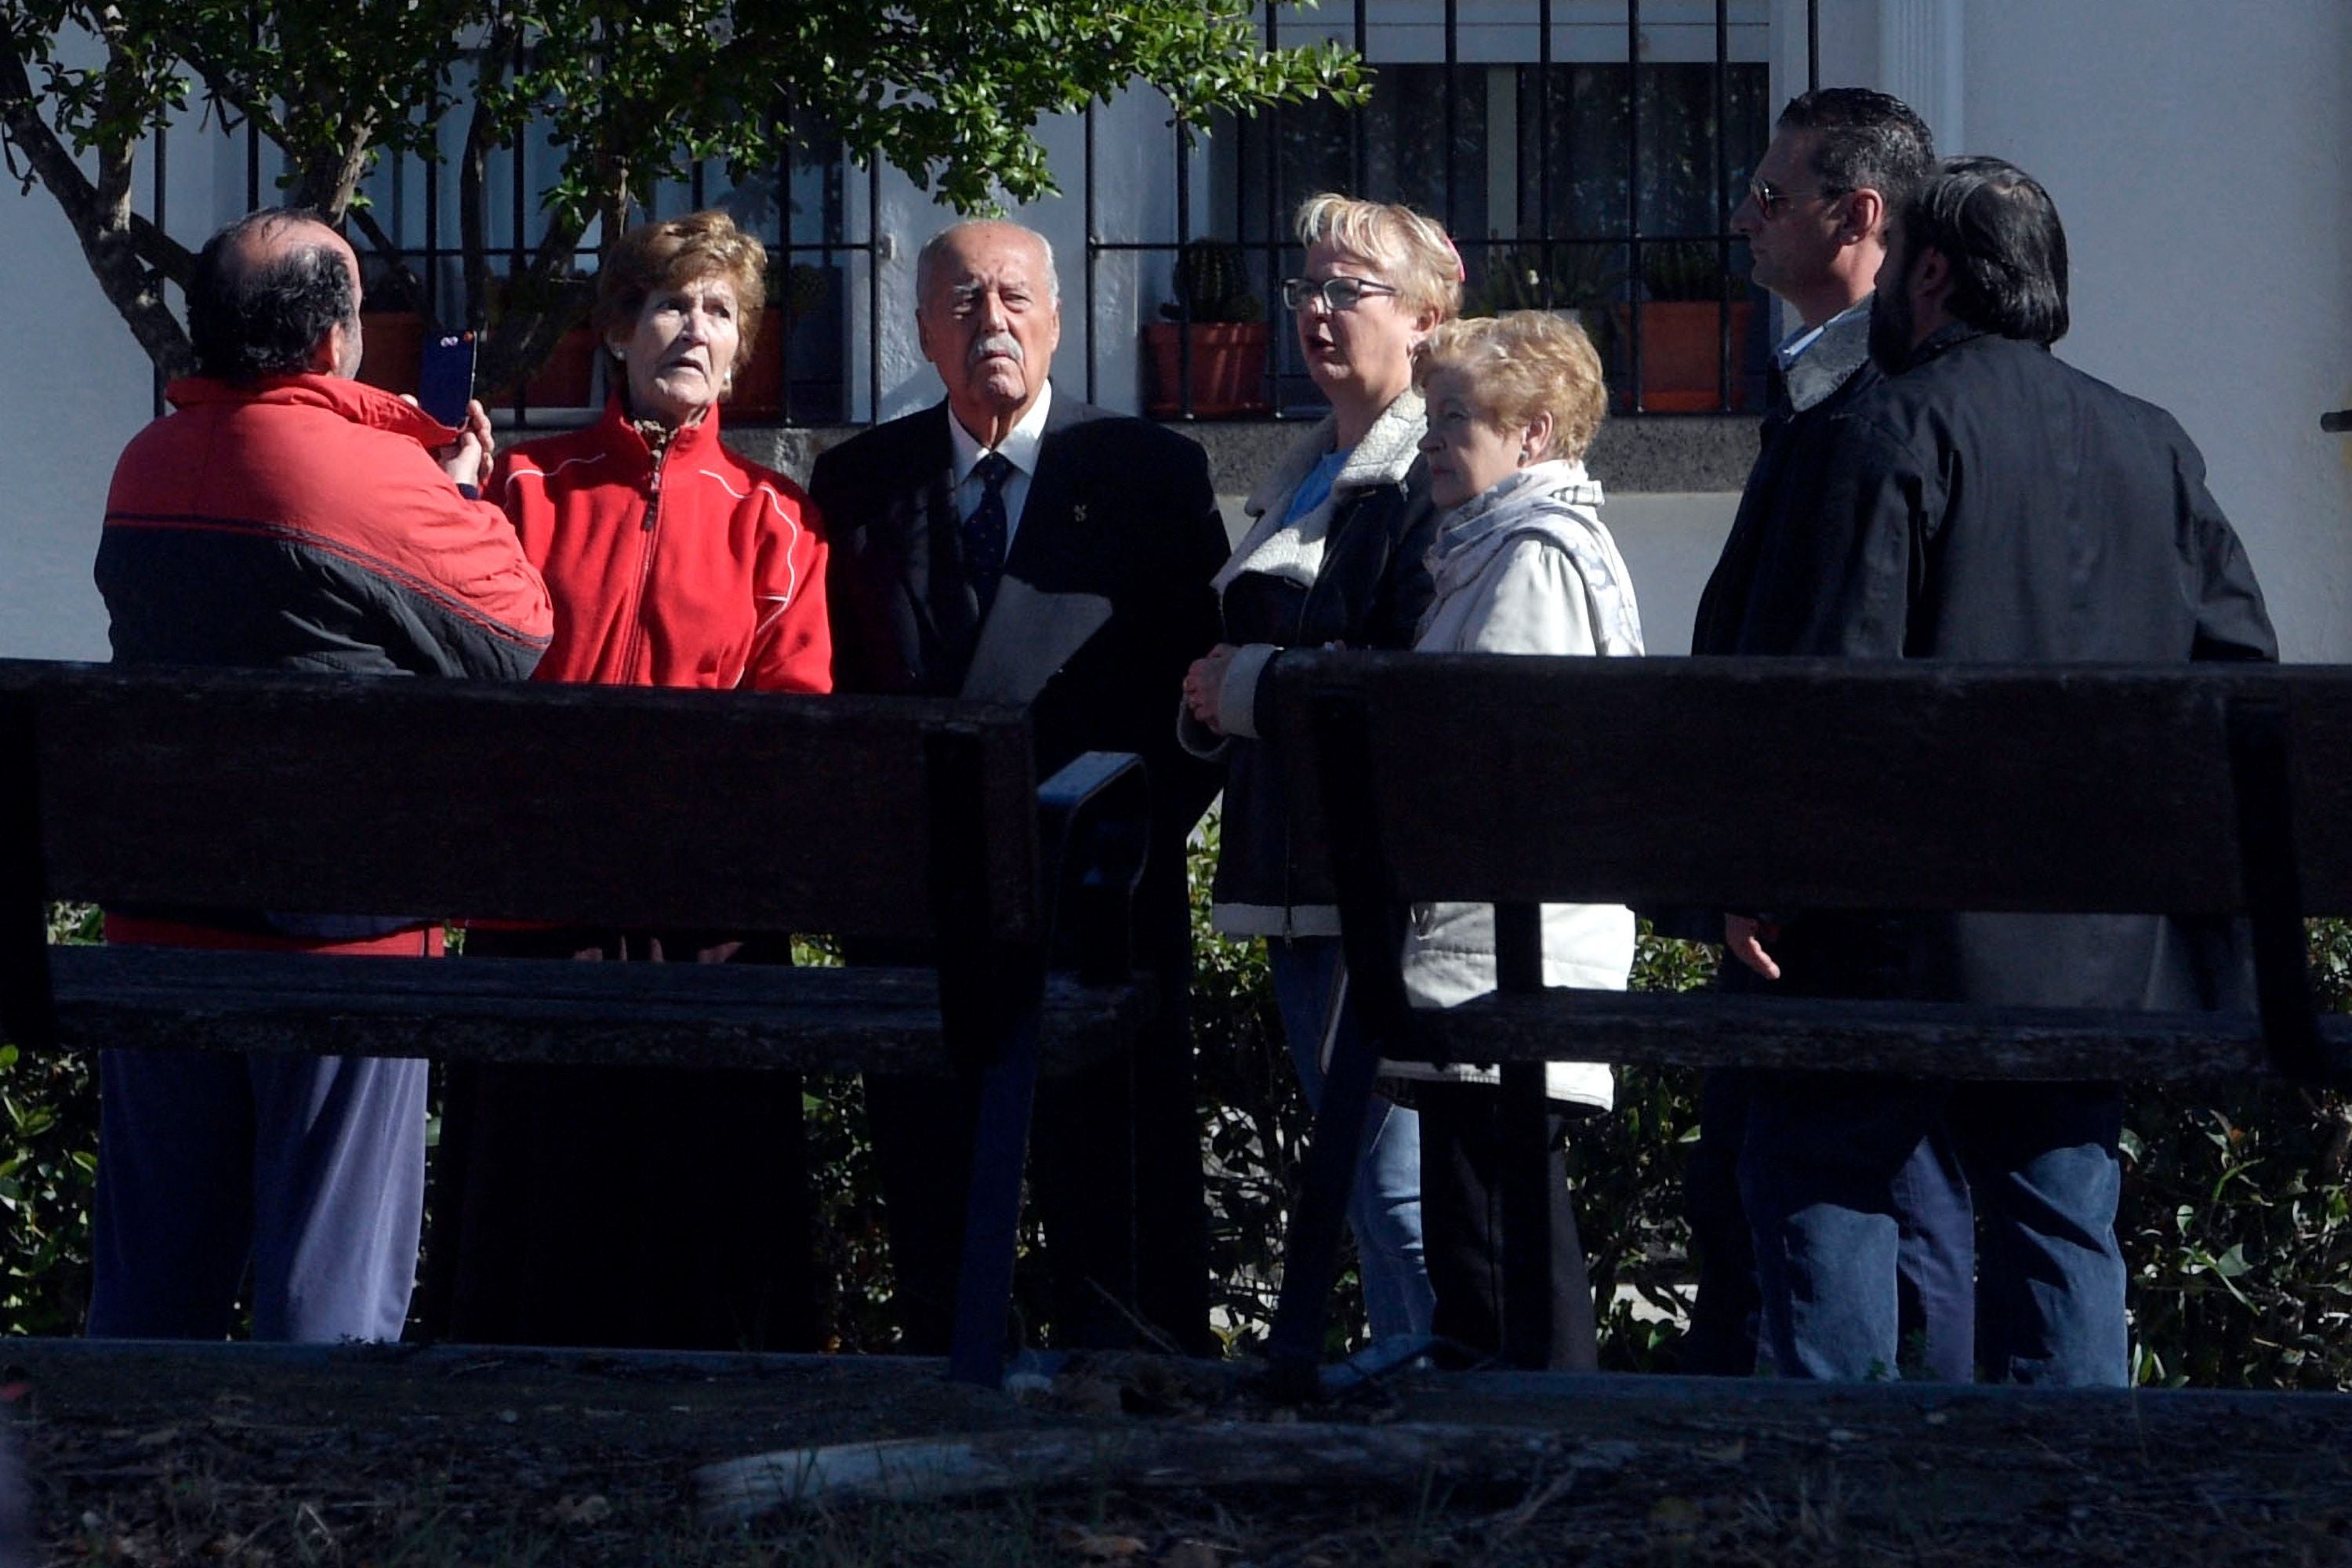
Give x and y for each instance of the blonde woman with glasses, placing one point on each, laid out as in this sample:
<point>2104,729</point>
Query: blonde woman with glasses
<point>1333,556</point>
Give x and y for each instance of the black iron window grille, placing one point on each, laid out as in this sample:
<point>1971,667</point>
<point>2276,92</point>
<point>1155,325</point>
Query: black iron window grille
<point>1585,154</point>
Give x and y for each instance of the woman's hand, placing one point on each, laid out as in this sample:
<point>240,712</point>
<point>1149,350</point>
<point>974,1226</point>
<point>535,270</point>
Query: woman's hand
<point>467,459</point>
<point>1204,683</point>
<point>1744,939</point>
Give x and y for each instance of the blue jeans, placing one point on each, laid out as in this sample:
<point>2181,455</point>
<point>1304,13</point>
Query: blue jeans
<point>1385,1204</point>
<point>1829,1174</point>
<point>1935,1273</point>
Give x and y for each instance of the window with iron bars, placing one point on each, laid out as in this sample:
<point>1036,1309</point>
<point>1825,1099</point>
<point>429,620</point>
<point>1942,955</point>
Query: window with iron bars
<point>1585,156</point>
<point>1584,153</point>
<point>820,274</point>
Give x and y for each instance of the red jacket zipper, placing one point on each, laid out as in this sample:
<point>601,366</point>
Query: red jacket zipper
<point>646,531</point>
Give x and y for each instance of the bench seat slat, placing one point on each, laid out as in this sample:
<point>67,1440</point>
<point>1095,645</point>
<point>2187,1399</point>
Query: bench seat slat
<point>1915,1038</point>
<point>523,1010</point>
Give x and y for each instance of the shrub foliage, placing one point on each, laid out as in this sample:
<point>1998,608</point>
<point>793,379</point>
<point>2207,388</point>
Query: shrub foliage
<point>2237,1204</point>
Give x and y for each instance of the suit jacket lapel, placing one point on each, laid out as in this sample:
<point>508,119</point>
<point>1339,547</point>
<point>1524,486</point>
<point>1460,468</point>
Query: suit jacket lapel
<point>933,575</point>
<point>1056,492</point>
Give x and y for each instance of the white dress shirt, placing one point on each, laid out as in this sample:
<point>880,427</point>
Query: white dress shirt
<point>1019,448</point>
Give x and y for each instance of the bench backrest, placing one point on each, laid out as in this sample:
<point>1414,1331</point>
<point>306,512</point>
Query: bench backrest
<point>644,808</point>
<point>1798,784</point>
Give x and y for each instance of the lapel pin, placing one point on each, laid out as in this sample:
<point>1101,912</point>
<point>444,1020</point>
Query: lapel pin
<point>1078,513</point>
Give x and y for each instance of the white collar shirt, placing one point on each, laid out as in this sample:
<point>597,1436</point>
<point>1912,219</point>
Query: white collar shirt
<point>1020,447</point>
<point>1792,347</point>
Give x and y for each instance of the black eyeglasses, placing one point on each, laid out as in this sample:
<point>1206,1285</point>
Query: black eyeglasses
<point>1337,293</point>
<point>1770,198</point>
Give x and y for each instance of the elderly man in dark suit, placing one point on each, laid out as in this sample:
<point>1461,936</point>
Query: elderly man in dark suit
<point>996,512</point>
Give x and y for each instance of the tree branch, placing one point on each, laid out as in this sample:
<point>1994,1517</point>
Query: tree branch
<point>117,245</point>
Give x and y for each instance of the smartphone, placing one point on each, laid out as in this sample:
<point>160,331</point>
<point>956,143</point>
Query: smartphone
<point>445,379</point>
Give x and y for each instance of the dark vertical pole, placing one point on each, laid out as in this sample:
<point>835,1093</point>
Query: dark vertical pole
<point>162,160</point>
<point>518,211</point>
<point>1093,239</point>
<point>874,289</point>
<point>1633,198</point>
<point>1183,236</point>
<point>1544,225</point>
<point>1722,199</point>
<point>1276,228</point>
<point>782,121</point>
<point>433,231</point>
<point>1359,123</point>
<point>1241,225</point>
<point>1453,109</point>
<point>1813,45</point>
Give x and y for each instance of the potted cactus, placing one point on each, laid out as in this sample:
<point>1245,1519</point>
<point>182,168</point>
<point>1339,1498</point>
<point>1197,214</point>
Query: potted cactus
<point>1217,332</point>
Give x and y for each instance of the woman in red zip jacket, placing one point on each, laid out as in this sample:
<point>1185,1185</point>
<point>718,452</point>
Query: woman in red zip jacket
<point>648,1207</point>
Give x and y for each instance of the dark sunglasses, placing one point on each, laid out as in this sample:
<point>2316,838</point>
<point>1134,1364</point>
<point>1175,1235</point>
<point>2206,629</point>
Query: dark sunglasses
<point>1770,198</point>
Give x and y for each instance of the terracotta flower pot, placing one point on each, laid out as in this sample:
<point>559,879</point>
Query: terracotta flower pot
<point>1681,355</point>
<point>566,378</point>
<point>760,384</point>
<point>1228,368</point>
<point>392,349</point>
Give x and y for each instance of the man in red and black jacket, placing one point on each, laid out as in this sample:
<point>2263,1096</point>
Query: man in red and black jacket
<point>285,517</point>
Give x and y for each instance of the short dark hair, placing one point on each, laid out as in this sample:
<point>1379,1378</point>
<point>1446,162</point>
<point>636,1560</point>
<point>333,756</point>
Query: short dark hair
<point>1863,139</point>
<point>2000,230</point>
<point>246,320</point>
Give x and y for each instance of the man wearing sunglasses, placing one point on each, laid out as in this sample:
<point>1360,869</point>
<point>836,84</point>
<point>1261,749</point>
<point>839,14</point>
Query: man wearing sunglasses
<point>1841,161</point>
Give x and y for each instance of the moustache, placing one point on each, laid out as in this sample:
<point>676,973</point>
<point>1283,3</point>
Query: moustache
<point>1004,343</point>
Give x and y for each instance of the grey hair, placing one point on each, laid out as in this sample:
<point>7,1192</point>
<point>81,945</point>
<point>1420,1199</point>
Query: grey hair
<point>926,260</point>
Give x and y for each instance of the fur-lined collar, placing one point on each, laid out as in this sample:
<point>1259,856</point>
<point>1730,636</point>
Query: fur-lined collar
<point>1276,547</point>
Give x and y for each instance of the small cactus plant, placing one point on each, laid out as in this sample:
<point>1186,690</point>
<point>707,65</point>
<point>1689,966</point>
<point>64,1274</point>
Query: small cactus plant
<point>1211,285</point>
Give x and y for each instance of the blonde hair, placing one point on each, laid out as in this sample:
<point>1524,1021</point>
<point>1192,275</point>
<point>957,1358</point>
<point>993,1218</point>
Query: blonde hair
<point>678,251</point>
<point>1520,366</point>
<point>1411,250</point>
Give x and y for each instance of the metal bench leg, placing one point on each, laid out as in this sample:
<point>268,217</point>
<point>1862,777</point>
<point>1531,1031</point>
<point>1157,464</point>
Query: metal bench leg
<point>1528,1283</point>
<point>1000,1152</point>
<point>1310,1255</point>
<point>2260,775</point>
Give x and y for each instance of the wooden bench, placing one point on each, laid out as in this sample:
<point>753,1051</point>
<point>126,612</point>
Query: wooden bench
<point>908,821</point>
<point>1789,785</point>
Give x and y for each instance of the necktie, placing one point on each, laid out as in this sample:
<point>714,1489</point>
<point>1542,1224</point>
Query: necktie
<point>984,529</point>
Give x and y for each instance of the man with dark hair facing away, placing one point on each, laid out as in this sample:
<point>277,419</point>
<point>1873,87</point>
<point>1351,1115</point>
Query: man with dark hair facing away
<point>1815,217</point>
<point>285,517</point>
<point>1986,503</point>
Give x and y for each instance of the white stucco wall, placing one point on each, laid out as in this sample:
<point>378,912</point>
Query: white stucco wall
<point>73,388</point>
<point>2194,150</point>
<point>2196,155</point>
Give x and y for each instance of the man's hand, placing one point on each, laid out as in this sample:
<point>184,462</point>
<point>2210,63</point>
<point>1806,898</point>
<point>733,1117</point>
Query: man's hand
<point>1744,939</point>
<point>1204,683</point>
<point>467,459</point>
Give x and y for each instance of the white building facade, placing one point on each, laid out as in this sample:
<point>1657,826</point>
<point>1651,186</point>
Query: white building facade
<point>2193,151</point>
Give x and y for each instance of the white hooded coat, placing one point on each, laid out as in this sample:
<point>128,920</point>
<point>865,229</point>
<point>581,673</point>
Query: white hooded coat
<point>1525,567</point>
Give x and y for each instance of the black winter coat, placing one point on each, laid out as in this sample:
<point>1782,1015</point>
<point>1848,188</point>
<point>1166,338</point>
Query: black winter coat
<point>1993,503</point>
<point>1369,593</point>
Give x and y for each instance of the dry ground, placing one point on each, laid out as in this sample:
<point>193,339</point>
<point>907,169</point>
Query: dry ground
<point>247,1455</point>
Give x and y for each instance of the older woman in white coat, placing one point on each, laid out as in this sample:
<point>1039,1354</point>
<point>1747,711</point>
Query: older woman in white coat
<point>1521,564</point>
